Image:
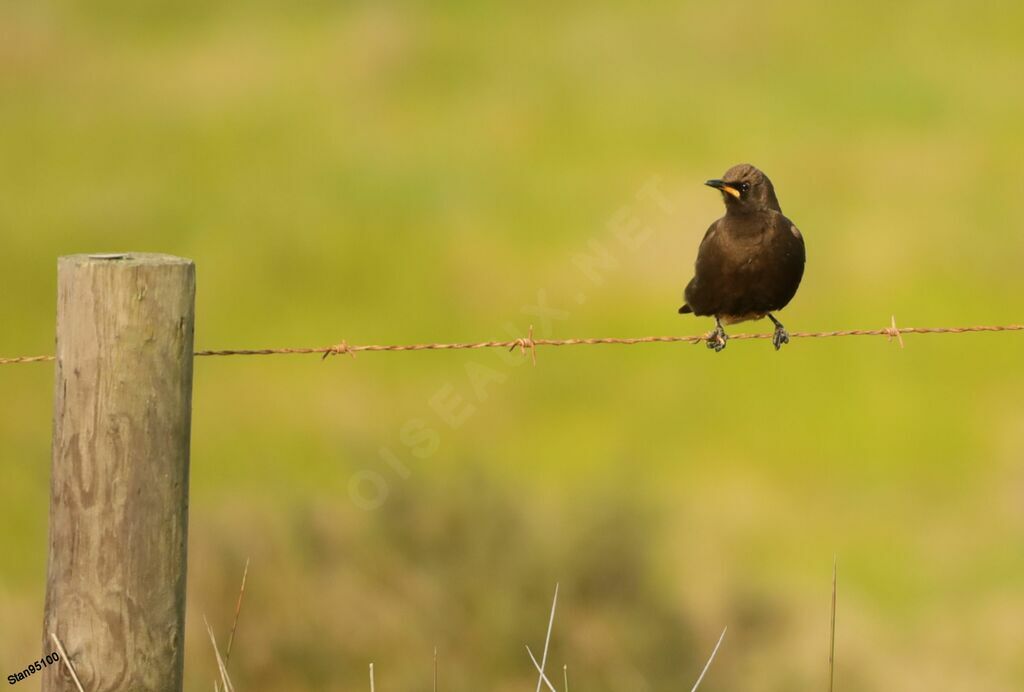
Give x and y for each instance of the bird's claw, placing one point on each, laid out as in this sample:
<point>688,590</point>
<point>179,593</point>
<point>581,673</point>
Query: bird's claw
<point>781,336</point>
<point>717,338</point>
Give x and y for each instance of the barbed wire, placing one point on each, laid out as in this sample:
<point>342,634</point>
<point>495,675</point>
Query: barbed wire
<point>530,344</point>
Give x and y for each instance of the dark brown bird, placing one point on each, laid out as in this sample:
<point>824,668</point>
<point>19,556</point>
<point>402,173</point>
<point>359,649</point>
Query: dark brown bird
<point>751,260</point>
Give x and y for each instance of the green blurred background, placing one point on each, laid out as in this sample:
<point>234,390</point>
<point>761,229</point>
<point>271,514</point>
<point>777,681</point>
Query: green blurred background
<point>404,172</point>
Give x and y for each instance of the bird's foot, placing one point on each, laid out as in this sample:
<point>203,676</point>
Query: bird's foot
<point>781,336</point>
<point>717,338</point>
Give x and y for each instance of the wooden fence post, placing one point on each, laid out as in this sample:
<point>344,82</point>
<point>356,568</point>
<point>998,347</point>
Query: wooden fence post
<point>115,582</point>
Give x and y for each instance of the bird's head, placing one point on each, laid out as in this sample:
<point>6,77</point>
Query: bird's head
<point>745,189</point>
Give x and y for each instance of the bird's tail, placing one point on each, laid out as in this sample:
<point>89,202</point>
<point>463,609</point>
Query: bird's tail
<point>685,309</point>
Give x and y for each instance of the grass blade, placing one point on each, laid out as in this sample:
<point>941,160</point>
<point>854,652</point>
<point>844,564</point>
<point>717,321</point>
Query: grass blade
<point>832,631</point>
<point>547,641</point>
<point>710,659</point>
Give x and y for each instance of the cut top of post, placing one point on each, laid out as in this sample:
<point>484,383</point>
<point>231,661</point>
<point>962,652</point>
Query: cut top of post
<point>131,258</point>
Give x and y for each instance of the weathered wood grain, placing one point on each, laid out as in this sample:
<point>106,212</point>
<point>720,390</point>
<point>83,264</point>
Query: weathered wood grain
<point>115,589</point>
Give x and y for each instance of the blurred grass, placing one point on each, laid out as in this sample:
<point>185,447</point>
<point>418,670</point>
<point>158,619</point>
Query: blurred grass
<point>401,172</point>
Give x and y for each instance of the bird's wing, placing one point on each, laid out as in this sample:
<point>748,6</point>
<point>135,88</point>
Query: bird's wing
<point>709,236</point>
<point>709,255</point>
<point>710,252</point>
<point>788,237</point>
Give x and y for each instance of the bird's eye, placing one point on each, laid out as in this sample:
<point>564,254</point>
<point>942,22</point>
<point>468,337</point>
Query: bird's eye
<point>744,187</point>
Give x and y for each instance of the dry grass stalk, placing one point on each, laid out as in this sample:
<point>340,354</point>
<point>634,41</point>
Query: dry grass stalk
<point>710,659</point>
<point>67,661</point>
<point>547,642</point>
<point>540,670</point>
<point>225,680</point>
<point>238,609</point>
<point>832,631</point>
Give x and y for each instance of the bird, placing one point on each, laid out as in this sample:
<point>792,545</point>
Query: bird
<point>750,262</point>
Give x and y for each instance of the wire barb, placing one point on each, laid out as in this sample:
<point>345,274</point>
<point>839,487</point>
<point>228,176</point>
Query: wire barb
<point>894,332</point>
<point>526,343</point>
<point>338,349</point>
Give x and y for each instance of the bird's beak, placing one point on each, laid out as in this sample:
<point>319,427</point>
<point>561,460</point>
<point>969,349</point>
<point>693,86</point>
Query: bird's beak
<point>724,187</point>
